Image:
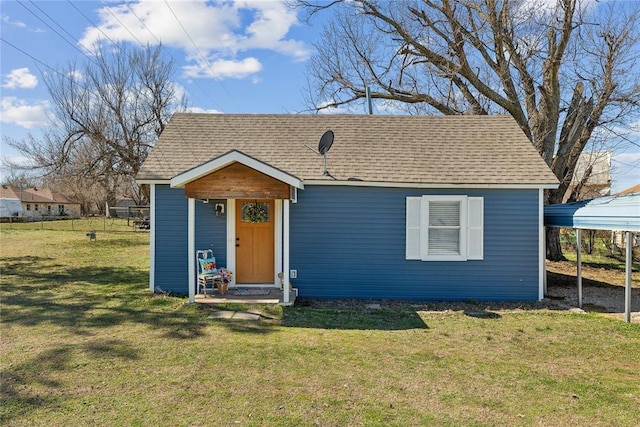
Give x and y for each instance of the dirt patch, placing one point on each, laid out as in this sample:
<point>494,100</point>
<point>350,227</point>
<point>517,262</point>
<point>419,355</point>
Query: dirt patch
<point>603,289</point>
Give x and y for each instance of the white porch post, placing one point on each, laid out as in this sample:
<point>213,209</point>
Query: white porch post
<point>579,265</point>
<point>285,252</point>
<point>152,237</point>
<point>542,254</point>
<point>627,280</point>
<point>191,243</point>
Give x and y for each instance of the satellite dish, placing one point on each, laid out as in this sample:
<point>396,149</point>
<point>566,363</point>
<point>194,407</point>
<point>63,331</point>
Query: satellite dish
<point>325,142</point>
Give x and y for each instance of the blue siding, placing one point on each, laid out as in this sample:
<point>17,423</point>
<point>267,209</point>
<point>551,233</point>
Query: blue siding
<point>349,242</point>
<point>171,251</point>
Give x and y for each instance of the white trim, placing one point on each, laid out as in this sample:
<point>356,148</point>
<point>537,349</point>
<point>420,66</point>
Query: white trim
<point>542,237</point>
<point>152,237</point>
<point>285,253</point>
<point>152,181</point>
<point>579,265</point>
<point>231,238</point>
<point>396,184</point>
<point>234,156</point>
<point>628,266</point>
<point>427,185</point>
<point>191,244</point>
<point>277,240</point>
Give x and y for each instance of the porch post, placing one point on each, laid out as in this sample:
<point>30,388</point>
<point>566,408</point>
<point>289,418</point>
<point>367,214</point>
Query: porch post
<point>285,252</point>
<point>191,243</point>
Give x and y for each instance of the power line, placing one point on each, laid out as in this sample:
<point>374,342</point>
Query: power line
<point>54,30</point>
<point>97,27</point>
<point>160,42</point>
<point>201,55</point>
<point>34,58</point>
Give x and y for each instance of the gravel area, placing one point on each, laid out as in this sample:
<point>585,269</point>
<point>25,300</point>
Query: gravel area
<point>606,299</point>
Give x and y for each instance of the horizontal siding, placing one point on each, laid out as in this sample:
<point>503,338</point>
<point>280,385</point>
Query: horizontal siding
<point>349,242</point>
<point>172,252</point>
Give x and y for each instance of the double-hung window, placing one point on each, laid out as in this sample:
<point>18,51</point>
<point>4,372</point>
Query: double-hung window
<point>444,228</point>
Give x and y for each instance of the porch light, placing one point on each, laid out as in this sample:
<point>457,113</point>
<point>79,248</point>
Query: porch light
<point>219,208</point>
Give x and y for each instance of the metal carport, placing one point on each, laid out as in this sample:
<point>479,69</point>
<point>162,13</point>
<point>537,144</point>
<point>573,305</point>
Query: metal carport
<point>615,213</point>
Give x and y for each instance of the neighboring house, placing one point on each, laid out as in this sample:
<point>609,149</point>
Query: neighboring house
<point>618,237</point>
<point>41,202</point>
<point>592,176</point>
<point>409,207</point>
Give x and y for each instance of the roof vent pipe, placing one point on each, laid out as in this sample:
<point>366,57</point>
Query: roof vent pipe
<point>368,93</point>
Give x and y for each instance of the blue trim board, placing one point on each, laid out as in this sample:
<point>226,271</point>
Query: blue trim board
<point>604,213</point>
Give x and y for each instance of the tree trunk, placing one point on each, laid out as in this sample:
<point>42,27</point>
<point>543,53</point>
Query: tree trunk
<point>554,250</point>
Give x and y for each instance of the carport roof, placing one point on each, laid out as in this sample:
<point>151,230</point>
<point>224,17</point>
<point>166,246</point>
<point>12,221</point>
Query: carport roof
<point>604,213</point>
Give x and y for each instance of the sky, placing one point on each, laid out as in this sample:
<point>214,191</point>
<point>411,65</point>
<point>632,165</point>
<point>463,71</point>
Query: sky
<point>242,56</point>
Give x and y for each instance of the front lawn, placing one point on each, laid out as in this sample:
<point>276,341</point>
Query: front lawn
<point>85,343</point>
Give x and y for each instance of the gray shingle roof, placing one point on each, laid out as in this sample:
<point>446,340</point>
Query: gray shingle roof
<point>387,149</point>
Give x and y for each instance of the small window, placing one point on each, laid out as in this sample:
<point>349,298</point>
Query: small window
<point>61,209</point>
<point>36,207</point>
<point>28,207</point>
<point>444,228</point>
<point>49,210</point>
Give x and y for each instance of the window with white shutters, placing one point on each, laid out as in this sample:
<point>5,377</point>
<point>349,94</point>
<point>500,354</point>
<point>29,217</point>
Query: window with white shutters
<point>444,228</point>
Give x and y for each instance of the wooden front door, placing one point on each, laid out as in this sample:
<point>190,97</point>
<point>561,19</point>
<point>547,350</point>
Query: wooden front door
<point>254,241</point>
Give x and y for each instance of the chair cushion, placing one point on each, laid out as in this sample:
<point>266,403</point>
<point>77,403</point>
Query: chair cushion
<point>207,266</point>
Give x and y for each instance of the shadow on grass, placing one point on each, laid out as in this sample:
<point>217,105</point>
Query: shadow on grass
<point>21,383</point>
<point>82,299</point>
<point>351,315</point>
<point>568,280</point>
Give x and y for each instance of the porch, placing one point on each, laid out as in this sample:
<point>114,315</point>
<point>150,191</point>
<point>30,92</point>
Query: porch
<point>247,296</point>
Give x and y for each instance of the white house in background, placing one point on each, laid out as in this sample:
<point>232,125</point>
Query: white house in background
<point>41,202</point>
<point>592,174</point>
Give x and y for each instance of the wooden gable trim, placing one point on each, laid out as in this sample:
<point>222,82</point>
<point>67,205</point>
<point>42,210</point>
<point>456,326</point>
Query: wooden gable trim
<point>237,181</point>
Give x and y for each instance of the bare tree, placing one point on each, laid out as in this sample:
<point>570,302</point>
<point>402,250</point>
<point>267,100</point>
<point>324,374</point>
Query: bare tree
<point>561,71</point>
<point>108,114</point>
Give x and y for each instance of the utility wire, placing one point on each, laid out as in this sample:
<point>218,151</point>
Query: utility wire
<point>97,27</point>
<point>160,42</point>
<point>34,58</point>
<point>201,55</point>
<point>56,31</point>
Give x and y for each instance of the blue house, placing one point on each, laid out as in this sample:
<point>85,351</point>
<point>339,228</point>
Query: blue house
<point>400,207</point>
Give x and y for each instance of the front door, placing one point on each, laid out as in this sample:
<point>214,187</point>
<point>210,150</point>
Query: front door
<point>254,241</point>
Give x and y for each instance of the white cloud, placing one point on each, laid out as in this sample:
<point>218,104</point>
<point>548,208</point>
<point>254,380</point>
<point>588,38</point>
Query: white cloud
<point>7,20</point>
<point>202,110</point>
<point>221,69</point>
<point>20,78</point>
<point>19,112</point>
<point>218,29</point>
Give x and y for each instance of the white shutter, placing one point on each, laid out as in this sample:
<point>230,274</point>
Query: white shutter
<point>475,228</point>
<point>413,228</point>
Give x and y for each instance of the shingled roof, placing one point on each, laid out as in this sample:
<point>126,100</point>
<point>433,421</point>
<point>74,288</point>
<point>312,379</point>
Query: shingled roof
<point>422,150</point>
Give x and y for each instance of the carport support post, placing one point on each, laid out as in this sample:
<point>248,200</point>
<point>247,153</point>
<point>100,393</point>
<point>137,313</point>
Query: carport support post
<point>627,280</point>
<point>579,265</point>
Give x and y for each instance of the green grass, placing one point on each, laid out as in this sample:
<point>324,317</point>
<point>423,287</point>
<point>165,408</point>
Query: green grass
<point>85,343</point>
